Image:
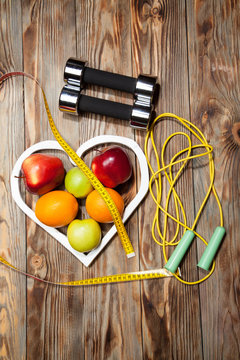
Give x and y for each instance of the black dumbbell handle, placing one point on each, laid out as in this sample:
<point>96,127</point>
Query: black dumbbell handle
<point>76,73</point>
<point>104,107</point>
<point>72,100</point>
<point>109,80</point>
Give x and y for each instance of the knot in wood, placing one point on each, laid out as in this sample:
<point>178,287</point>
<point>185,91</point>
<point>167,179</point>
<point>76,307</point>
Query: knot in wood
<point>236,133</point>
<point>205,27</point>
<point>157,13</point>
<point>37,261</point>
<point>154,11</point>
<point>205,116</point>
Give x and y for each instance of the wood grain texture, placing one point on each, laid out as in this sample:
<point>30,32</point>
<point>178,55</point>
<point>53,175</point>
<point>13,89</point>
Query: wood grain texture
<point>214,65</point>
<point>162,51</point>
<point>46,46</point>
<point>12,222</point>
<point>193,49</point>
<point>105,41</point>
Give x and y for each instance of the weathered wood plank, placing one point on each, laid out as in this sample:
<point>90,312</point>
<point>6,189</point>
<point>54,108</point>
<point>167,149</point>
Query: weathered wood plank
<point>154,319</point>
<point>214,59</point>
<point>12,227</point>
<point>54,314</point>
<point>112,314</point>
<point>160,48</point>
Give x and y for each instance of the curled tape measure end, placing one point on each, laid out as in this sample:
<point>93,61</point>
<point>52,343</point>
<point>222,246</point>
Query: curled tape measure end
<point>130,255</point>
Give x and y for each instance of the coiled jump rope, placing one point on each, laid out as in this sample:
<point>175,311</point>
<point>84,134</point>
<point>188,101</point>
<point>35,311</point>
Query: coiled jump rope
<point>167,169</point>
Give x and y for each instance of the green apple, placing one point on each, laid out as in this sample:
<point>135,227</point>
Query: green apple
<point>77,183</point>
<point>84,235</point>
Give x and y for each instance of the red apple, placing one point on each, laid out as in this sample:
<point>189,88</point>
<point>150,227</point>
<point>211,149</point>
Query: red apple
<point>42,173</point>
<point>112,166</point>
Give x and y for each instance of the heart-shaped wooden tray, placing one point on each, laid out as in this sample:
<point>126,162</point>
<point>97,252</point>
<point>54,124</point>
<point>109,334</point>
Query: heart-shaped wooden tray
<point>86,259</point>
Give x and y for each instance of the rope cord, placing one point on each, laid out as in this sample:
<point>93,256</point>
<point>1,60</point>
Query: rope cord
<point>156,178</point>
<point>167,170</point>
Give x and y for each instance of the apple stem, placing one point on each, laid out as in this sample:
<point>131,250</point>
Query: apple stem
<point>19,177</point>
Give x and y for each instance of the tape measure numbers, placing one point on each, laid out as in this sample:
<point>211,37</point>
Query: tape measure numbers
<point>126,277</point>
<point>95,183</point>
<point>101,280</point>
<point>126,243</point>
<point>156,178</point>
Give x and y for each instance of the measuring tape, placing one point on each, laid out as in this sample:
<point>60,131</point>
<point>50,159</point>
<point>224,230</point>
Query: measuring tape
<point>125,277</point>
<point>100,280</point>
<point>156,273</point>
<point>126,243</point>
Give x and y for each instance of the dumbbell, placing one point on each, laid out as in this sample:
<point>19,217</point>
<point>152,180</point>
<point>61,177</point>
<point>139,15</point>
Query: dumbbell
<point>73,101</point>
<point>78,75</point>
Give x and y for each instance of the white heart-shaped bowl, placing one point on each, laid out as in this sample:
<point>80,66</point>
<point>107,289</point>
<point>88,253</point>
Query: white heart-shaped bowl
<point>86,259</point>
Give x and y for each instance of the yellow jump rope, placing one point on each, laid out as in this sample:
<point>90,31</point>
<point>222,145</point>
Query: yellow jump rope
<point>182,245</point>
<point>157,178</point>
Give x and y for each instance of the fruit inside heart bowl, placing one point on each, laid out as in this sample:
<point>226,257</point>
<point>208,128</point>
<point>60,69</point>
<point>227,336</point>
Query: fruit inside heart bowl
<point>85,258</point>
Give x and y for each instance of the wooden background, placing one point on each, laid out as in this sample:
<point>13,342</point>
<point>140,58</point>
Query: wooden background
<point>193,48</point>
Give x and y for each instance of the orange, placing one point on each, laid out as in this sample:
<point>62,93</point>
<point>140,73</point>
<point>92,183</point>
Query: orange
<point>56,208</point>
<point>97,208</point>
